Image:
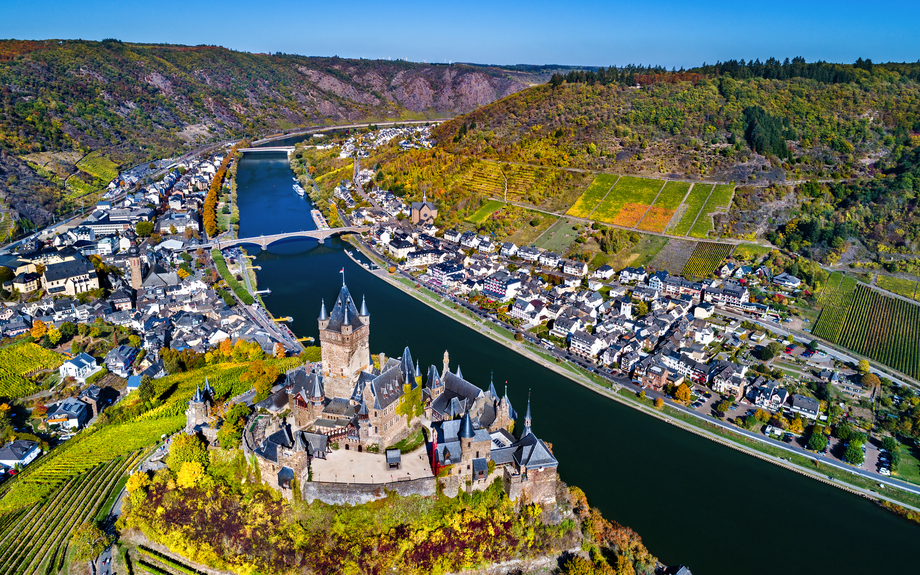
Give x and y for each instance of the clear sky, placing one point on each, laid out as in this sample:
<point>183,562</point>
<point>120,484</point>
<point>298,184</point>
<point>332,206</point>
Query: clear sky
<point>579,32</point>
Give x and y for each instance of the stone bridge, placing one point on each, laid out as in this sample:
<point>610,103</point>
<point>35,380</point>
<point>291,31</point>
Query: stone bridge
<point>265,241</point>
<point>287,149</point>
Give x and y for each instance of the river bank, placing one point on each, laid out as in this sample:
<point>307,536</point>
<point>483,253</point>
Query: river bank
<point>670,414</point>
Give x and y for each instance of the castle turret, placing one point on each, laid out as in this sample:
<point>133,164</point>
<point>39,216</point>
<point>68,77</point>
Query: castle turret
<point>459,373</point>
<point>343,335</point>
<point>527,420</point>
<point>323,316</point>
<point>364,315</point>
<point>466,426</point>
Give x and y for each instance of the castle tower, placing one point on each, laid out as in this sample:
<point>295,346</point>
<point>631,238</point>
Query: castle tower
<point>199,408</point>
<point>134,264</point>
<point>343,336</point>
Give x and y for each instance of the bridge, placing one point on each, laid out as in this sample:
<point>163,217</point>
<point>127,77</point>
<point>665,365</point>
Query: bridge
<point>265,241</point>
<point>287,149</point>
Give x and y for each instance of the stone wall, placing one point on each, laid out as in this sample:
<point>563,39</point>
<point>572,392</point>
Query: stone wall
<point>360,493</point>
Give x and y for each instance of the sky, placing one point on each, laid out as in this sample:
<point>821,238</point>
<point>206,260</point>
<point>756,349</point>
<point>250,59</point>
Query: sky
<point>576,32</point>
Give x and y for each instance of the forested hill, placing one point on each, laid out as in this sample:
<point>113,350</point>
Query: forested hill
<point>695,124</point>
<point>140,101</point>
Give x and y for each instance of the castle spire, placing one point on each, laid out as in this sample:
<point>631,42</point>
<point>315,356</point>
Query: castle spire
<point>466,426</point>
<point>459,374</point>
<point>322,312</point>
<point>492,391</point>
<point>364,312</point>
<point>527,419</point>
<point>446,369</point>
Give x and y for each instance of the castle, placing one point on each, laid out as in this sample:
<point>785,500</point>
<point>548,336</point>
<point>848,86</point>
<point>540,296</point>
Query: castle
<point>352,403</point>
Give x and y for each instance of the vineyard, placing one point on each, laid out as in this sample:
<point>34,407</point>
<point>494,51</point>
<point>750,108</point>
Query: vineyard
<point>691,209</point>
<point>18,362</point>
<point>719,201</point>
<point>705,259</point>
<point>834,301</point>
<point>664,208</point>
<point>880,327</point>
<point>99,167</point>
<point>906,288</point>
<point>33,540</point>
<point>96,445</point>
<point>589,200</point>
<point>628,201</point>
<point>485,178</point>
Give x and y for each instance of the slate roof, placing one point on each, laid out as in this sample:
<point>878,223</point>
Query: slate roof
<point>532,452</point>
<point>344,312</point>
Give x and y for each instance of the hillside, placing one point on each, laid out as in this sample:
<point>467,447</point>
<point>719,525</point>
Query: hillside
<point>769,130</point>
<point>137,102</point>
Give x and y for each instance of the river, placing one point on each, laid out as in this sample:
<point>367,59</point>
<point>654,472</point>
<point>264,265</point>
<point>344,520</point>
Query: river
<point>693,501</point>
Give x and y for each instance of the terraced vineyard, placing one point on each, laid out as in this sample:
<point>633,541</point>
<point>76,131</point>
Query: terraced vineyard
<point>34,540</point>
<point>98,166</point>
<point>662,211</point>
<point>690,209</point>
<point>719,201</point>
<point>589,200</point>
<point>18,362</point>
<point>705,259</point>
<point>485,178</point>
<point>628,201</point>
<point>834,301</point>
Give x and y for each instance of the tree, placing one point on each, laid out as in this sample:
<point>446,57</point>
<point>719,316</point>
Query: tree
<point>892,446</point>
<point>817,441</point>
<point>88,541</point>
<point>192,474</point>
<point>854,453</point>
<point>134,340</point>
<point>39,328</point>
<point>144,229</point>
<point>871,381</point>
<point>54,336</point>
<point>659,403</point>
<point>279,351</point>
<point>796,426</point>
<point>185,448</point>
<point>771,350</point>
<point>146,390</point>
<point>682,393</point>
<point>231,430</point>
<point>226,348</point>
<point>138,480</point>
<point>863,366</point>
<point>262,377</point>
<point>813,345</point>
<point>762,415</point>
<point>724,406</point>
<point>172,230</point>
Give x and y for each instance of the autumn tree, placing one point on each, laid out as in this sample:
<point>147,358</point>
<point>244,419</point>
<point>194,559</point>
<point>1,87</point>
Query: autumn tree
<point>185,447</point>
<point>279,351</point>
<point>796,426</point>
<point>682,393</point>
<point>39,328</point>
<point>262,378</point>
<point>226,348</point>
<point>88,541</point>
<point>192,474</point>
<point>659,403</point>
<point>762,415</point>
<point>231,430</point>
<point>54,336</point>
<point>724,406</point>
<point>863,366</point>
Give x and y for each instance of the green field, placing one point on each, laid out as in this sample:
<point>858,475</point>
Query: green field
<point>662,211</point>
<point>238,288</point>
<point>628,201</point>
<point>527,234</point>
<point>98,166</point>
<point>705,259</point>
<point>750,252</point>
<point>867,321</point>
<point>586,202</point>
<point>692,207</point>
<point>719,201</point>
<point>485,211</point>
<point>906,288</point>
<point>559,237</point>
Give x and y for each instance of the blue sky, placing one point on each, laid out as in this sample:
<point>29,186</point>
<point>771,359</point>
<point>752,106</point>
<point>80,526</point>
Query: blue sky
<point>577,32</point>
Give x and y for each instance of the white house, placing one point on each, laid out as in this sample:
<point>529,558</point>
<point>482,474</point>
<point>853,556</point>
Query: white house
<point>787,281</point>
<point>80,367</point>
<point>20,452</point>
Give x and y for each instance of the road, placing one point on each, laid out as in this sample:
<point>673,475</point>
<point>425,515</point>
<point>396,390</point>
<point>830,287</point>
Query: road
<point>823,346</point>
<point>619,381</point>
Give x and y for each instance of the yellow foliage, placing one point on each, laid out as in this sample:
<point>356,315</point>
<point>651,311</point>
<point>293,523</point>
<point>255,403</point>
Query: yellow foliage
<point>191,474</point>
<point>139,480</point>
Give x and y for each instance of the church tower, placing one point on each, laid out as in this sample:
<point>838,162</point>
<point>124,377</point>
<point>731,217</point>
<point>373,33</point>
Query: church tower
<point>134,264</point>
<point>343,336</point>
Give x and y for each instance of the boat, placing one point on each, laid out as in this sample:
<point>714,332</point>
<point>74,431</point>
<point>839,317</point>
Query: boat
<point>299,190</point>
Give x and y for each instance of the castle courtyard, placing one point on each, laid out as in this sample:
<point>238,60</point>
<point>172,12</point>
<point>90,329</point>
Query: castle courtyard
<point>347,466</point>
